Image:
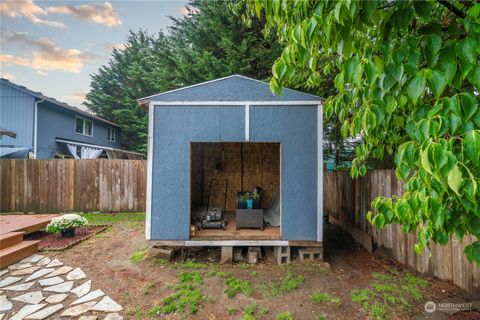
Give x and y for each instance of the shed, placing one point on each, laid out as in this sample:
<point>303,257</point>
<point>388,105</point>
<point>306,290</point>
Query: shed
<point>208,142</point>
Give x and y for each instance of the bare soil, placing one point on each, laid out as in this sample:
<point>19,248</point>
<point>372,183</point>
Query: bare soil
<point>55,241</point>
<point>106,258</point>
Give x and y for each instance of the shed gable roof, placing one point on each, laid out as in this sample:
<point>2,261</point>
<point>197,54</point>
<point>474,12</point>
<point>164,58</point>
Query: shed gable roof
<point>231,88</point>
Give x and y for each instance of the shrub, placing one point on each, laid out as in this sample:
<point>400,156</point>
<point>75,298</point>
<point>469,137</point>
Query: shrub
<point>66,221</point>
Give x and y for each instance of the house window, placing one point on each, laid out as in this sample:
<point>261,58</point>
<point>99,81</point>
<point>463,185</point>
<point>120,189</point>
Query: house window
<point>110,134</point>
<point>83,126</point>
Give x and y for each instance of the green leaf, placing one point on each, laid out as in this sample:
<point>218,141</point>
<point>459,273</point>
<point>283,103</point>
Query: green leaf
<point>469,104</point>
<point>471,145</point>
<point>455,122</point>
<point>340,81</point>
<point>437,83</point>
<point>279,69</point>
<point>473,252</point>
<point>466,50</point>
<point>454,105</point>
<point>371,72</point>
<point>297,34</point>
<point>455,179</point>
<point>424,161</point>
<point>416,87</point>
<point>474,77</point>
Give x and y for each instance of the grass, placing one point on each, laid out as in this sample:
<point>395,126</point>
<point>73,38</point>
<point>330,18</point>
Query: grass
<point>139,255</point>
<point>287,315</point>
<point>290,283</point>
<point>389,294</point>
<point>231,311</point>
<point>190,265</point>
<point>264,310</point>
<point>249,312</point>
<point>234,286</point>
<point>187,296</point>
<point>112,218</point>
<point>320,297</point>
<point>148,288</point>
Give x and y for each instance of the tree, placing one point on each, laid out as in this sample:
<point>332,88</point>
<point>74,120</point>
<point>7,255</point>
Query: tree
<point>208,43</point>
<point>408,82</point>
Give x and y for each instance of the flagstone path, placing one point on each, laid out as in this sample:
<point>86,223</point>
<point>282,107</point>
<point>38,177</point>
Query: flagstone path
<point>41,288</point>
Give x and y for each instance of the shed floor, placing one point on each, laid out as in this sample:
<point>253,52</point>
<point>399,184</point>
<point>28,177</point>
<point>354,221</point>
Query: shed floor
<point>231,232</point>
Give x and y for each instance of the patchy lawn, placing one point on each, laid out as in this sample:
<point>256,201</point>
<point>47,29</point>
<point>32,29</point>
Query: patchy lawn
<point>352,284</point>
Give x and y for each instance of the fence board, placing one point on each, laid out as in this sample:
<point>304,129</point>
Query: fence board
<point>72,185</point>
<point>446,262</point>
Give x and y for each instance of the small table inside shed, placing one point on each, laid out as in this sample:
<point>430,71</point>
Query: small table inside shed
<point>249,218</point>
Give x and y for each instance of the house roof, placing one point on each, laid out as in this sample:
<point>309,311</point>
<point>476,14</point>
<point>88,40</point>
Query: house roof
<point>41,96</point>
<point>232,88</point>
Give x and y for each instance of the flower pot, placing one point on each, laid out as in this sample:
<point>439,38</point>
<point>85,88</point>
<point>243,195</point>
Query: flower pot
<point>68,233</point>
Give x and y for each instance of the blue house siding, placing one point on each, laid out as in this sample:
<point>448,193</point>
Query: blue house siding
<point>175,128</point>
<point>57,122</point>
<point>16,114</point>
<point>295,127</point>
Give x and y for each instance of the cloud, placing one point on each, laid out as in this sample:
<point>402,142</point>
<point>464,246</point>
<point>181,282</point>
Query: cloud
<point>104,14</point>
<point>10,60</point>
<point>46,55</point>
<point>80,96</point>
<point>7,75</point>
<point>27,9</point>
<point>187,11</point>
<point>42,73</point>
<point>119,46</point>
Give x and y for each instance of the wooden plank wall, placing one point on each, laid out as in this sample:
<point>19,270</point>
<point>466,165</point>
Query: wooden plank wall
<point>345,198</point>
<point>72,185</point>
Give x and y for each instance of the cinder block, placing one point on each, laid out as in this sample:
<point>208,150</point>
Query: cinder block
<point>227,255</point>
<point>282,254</point>
<point>254,253</point>
<point>237,254</point>
<point>310,253</point>
<point>159,252</point>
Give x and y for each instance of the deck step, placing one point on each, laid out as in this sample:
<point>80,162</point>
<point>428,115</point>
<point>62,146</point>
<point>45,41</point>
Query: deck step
<point>10,238</point>
<point>17,252</point>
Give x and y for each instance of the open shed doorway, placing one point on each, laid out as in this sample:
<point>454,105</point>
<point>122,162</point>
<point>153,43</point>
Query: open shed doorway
<point>241,180</point>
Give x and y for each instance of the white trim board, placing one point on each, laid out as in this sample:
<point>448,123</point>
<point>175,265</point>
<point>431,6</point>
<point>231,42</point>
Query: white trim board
<point>148,205</point>
<point>319,173</point>
<point>313,103</point>
<point>94,146</point>
<point>247,122</point>
<point>233,243</point>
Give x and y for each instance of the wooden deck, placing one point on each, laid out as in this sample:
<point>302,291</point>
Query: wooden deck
<point>231,232</point>
<point>24,222</point>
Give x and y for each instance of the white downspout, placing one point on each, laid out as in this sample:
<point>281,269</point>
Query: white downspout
<point>35,126</point>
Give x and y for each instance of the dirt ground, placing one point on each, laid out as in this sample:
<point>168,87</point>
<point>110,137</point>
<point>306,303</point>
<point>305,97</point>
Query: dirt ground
<point>139,286</point>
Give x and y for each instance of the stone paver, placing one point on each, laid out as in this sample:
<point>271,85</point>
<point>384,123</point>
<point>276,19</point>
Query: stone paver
<point>32,259</point>
<point>47,283</point>
<point>31,297</point>
<point>60,288</point>
<point>9,280</point>
<point>18,266</point>
<point>78,310</point>
<point>91,296</point>
<point>40,273</point>
<point>50,281</point>
<point>56,298</point>
<point>107,305</point>
<point>5,304</point>
<point>27,310</point>
<point>60,271</point>
<point>54,263</point>
<point>83,289</point>
<point>46,312</point>
<point>25,271</point>
<point>76,274</point>
<point>20,287</point>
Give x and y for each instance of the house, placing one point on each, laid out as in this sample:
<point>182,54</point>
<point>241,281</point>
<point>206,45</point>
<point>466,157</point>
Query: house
<point>35,126</point>
<point>210,141</point>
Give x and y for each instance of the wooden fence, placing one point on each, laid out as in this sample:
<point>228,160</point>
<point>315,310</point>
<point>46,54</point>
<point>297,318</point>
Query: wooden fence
<point>72,185</point>
<point>347,201</point>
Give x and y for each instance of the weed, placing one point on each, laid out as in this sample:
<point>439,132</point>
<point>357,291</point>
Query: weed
<point>136,312</point>
<point>287,315</point>
<point>290,283</point>
<point>148,288</point>
<point>234,286</point>
<point>389,293</point>
<point>231,311</point>
<point>319,297</point>
<point>210,300</point>
<point>322,317</point>
<point>254,273</point>
<point>139,255</point>
<point>186,296</point>
<point>160,262</point>
<point>264,310</point>
<point>248,313</point>
<point>244,265</point>
<point>193,277</point>
<point>190,265</point>
<point>215,273</point>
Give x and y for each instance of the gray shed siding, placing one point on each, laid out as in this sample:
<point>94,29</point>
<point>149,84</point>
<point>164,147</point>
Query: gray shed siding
<point>57,122</point>
<point>16,114</point>
<point>175,127</point>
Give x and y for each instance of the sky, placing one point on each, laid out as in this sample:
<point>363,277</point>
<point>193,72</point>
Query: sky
<point>54,46</point>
